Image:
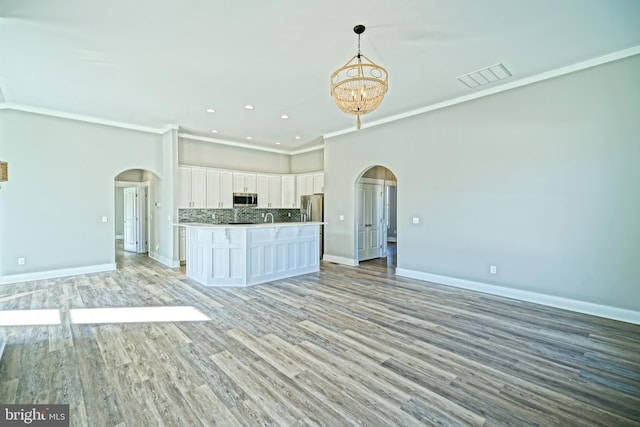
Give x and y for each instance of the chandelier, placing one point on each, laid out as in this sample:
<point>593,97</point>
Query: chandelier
<point>359,86</point>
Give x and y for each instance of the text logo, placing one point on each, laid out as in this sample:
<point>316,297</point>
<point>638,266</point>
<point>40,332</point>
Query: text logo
<point>34,415</point>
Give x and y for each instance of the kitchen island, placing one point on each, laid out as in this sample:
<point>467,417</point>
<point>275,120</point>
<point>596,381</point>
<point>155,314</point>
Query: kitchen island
<point>248,254</point>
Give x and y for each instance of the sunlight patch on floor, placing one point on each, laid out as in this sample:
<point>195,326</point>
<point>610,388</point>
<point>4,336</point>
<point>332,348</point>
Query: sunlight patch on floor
<point>136,315</point>
<point>29,317</point>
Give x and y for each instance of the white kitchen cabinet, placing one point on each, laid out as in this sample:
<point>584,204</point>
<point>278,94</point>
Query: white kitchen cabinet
<point>269,191</point>
<point>289,199</point>
<point>192,184</point>
<point>304,185</point>
<point>245,182</point>
<point>245,255</point>
<point>182,246</point>
<point>318,182</point>
<point>219,188</point>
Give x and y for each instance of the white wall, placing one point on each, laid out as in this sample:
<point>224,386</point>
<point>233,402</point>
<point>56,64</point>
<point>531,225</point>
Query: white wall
<point>61,185</point>
<point>542,181</point>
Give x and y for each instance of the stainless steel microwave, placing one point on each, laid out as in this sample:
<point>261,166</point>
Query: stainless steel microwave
<point>245,200</point>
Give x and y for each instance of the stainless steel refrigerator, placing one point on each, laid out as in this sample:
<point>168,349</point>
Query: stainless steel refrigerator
<point>312,209</point>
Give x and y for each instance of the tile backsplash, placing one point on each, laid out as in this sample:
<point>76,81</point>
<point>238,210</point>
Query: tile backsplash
<point>226,216</point>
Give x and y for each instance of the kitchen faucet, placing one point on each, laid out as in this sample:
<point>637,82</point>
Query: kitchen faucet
<point>267,215</point>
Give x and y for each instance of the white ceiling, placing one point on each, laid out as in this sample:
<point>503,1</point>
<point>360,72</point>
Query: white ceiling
<point>155,63</point>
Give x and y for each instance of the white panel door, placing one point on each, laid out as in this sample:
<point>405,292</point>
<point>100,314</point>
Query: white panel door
<point>130,219</point>
<point>369,205</point>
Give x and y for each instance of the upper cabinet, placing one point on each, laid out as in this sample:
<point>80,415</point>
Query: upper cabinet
<point>192,182</point>
<point>245,182</point>
<point>219,188</point>
<point>318,182</point>
<point>269,191</point>
<point>289,199</point>
<point>304,184</point>
<point>201,187</point>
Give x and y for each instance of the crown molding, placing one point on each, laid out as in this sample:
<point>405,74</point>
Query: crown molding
<point>480,94</point>
<point>621,54</point>
<point>171,127</point>
<point>81,118</point>
<point>231,143</point>
<point>307,150</point>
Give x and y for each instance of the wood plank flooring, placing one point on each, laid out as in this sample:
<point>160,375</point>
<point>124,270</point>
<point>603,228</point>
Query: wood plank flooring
<point>344,346</point>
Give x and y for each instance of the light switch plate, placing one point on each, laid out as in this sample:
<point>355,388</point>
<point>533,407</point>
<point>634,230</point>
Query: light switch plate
<point>341,217</point>
<point>104,219</point>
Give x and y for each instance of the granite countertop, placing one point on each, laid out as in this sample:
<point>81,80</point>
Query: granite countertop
<point>244,225</point>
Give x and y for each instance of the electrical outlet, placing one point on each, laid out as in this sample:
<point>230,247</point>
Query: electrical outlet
<point>104,219</point>
<point>416,220</point>
<point>21,261</point>
<point>213,216</point>
<point>289,214</point>
<point>341,217</point>
<point>493,269</point>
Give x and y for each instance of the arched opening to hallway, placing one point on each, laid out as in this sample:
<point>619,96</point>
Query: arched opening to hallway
<point>376,218</point>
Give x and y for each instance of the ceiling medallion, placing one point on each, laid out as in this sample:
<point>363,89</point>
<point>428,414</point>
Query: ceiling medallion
<point>359,86</point>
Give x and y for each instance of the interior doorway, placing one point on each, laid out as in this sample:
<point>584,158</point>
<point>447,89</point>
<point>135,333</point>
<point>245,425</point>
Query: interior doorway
<point>132,224</point>
<point>376,217</point>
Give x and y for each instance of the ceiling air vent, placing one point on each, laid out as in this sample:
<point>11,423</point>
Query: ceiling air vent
<point>485,76</point>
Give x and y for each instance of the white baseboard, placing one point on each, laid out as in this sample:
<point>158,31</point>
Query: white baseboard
<point>53,274</point>
<point>340,260</point>
<point>164,261</point>
<point>119,236</point>
<point>593,309</point>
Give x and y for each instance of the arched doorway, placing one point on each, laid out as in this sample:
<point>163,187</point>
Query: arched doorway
<point>375,217</point>
<point>133,228</point>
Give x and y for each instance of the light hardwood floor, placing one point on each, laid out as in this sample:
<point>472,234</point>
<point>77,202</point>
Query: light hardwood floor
<point>345,346</point>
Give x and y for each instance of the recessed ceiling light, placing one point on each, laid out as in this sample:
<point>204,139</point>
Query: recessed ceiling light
<point>277,143</point>
<point>297,137</point>
<point>248,107</point>
<point>214,131</point>
<point>210,110</point>
<point>249,137</point>
<point>284,116</point>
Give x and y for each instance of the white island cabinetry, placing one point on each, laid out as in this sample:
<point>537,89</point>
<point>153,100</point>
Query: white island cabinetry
<point>243,255</point>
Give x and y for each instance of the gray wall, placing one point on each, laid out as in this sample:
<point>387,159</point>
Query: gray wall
<point>203,153</point>
<point>134,175</point>
<point>541,181</point>
<point>392,229</point>
<point>311,161</point>
<point>61,184</point>
<point>118,221</point>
